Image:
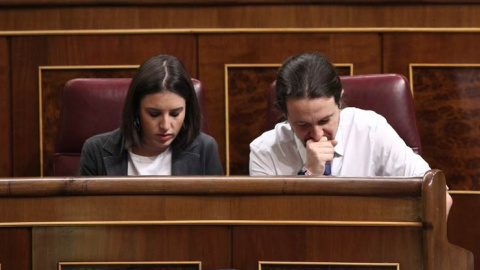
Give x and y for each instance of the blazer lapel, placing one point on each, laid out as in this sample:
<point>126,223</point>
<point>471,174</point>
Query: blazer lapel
<point>186,162</point>
<point>116,162</point>
<point>116,165</point>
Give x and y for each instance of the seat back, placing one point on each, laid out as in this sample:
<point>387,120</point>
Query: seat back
<point>92,106</point>
<point>387,94</point>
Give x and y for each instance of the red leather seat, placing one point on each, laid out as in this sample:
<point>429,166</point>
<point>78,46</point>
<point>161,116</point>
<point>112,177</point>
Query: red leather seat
<point>94,106</point>
<point>386,94</point>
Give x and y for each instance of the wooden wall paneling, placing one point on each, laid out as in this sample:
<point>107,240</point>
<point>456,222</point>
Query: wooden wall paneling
<point>15,248</point>
<point>273,49</point>
<point>83,208</point>
<point>238,16</point>
<point>47,3</point>
<point>436,102</point>
<point>321,244</point>
<point>464,223</point>
<point>242,128</point>
<point>28,53</point>
<point>208,244</point>
<point>6,109</point>
<point>448,108</point>
<point>174,208</point>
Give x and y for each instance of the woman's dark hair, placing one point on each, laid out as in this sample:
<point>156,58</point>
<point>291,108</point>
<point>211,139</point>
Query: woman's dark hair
<point>161,73</point>
<point>307,75</point>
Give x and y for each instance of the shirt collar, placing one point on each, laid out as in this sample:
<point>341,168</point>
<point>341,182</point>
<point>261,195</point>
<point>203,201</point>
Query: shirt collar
<point>301,148</point>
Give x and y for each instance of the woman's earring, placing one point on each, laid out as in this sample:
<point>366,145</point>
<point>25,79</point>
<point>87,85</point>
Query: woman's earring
<point>136,123</point>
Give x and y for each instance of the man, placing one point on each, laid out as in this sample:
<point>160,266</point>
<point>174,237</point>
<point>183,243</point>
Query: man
<point>320,138</point>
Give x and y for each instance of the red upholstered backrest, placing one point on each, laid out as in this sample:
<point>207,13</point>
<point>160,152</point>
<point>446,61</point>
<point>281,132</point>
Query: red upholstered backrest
<point>94,106</point>
<point>386,94</point>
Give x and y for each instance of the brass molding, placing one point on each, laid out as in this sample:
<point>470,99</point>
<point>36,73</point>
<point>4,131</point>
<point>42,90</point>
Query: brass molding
<point>449,65</point>
<point>40,91</point>
<point>218,222</point>
<point>261,263</point>
<point>227,122</point>
<point>464,192</point>
<point>194,263</point>
<point>272,30</point>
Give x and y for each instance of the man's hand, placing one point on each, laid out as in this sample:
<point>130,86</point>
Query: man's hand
<point>318,153</point>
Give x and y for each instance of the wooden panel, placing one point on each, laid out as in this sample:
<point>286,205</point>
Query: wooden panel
<point>247,91</point>
<point>80,208</point>
<point>208,244</point>
<point>247,103</point>
<point>327,244</point>
<point>464,223</point>
<point>28,53</point>
<point>5,108</point>
<point>436,101</point>
<point>433,48</point>
<point>273,49</point>
<point>448,112</point>
<point>15,248</point>
<point>209,2</point>
<point>188,208</point>
<point>238,16</point>
<point>52,83</point>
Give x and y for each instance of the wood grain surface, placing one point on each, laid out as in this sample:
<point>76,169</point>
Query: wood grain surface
<point>6,109</point>
<point>15,248</point>
<point>254,15</point>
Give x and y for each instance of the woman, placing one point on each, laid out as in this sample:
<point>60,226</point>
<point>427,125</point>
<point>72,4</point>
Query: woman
<point>160,132</point>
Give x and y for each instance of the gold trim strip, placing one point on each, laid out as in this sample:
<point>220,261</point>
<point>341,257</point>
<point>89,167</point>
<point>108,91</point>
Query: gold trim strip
<point>40,92</point>
<point>130,262</point>
<point>260,263</point>
<point>464,192</point>
<point>444,65</point>
<point>251,65</point>
<point>245,30</point>
<point>217,222</point>
<point>40,115</point>
<point>227,121</point>
<point>88,67</point>
<point>193,263</point>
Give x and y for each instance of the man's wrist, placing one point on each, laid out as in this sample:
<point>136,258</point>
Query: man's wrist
<point>305,171</point>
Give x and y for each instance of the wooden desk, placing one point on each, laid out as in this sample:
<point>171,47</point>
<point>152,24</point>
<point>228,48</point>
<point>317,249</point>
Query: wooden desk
<point>251,223</point>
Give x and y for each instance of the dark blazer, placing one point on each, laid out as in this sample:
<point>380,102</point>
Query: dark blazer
<point>105,154</point>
